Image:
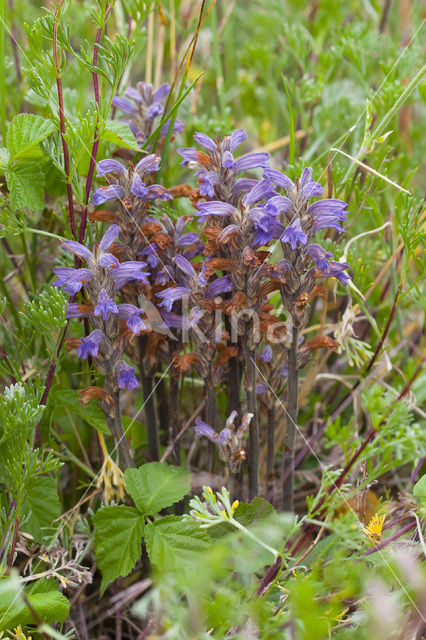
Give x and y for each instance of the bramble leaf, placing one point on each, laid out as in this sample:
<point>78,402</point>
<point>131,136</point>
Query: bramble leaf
<point>25,132</point>
<point>172,540</point>
<point>44,597</point>
<point>117,542</point>
<point>119,133</point>
<point>41,506</point>
<point>156,485</point>
<point>25,181</point>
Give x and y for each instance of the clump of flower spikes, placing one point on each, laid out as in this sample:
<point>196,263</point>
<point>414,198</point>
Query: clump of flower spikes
<point>102,277</point>
<point>142,107</point>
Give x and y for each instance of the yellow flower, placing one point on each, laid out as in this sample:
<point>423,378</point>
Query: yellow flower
<point>234,506</point>
<point>18,635</point>
<point>111,477</point>
<point>374,528</point>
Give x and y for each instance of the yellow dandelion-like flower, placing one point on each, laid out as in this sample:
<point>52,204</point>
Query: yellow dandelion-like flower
<point>374,528</point>
<point>111,477</point>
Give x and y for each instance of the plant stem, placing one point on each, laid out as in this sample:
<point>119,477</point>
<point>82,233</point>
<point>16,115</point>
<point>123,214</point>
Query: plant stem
<point>95,145</point>
<point>211,420</point>
<point>15,537</point>
<point>62,120</point>
<point>270,455</point>
<point>174,414</point>
<point>253,448</point>
<point>126,452</point>
<point>291,422</point>
<point>2,81</point>
<point>150,414</point>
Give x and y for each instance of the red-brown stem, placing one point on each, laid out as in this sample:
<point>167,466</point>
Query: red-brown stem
<point>95,145</point>
<point>129,30</point>
<point>62,121</point>
<point>15,537</point>
<point>337,484</point>
<point>49,379</point>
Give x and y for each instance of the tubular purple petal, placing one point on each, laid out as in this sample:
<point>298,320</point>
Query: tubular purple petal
<point>105,305</point>
<point>221,285</point>
<point>109,237</point>
<point>171,295</point>
<point>77,249</point>
<point>185,266</point>
<point>237,138</point>
<point>138,187</point>
<point>161,93</point>
<point>148,164</point>
<point>279,179</point>
<point>252,161</point>
<point>205,142</point>
<point>295,235</point>
<point>124,105</point>
<point>126,376</point>
<point>102,194</point>
<point>128,271</point>
<point>109,166</point>
<point>89,346</point>
<point>203,429</point>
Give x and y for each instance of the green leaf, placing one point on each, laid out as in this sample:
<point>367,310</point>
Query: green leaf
<point>25,181</point>
<point>172,541</point>
<point>256,510</point>
<point>117,542</point>
<point>41,506</point>
<point>44,597</point>
<point>419,491</point>
<point>119,133</point>
<point>156,485</point>
<point>25,132</point>
<point>4,158</point>
<point>91,413</point>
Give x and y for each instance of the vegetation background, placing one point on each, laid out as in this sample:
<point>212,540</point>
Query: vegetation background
<point>338,86</point>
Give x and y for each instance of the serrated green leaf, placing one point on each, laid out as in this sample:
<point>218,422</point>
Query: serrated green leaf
<point>25,181</point>
<point>156,485</point>
<point>249,512</point>
<point>4,158</point>
<point>119,133</point>
<point>41,506</point>
<point>25,132</point>
<point>172,541</point>
<point>117,542</point>
<point>50,605</point>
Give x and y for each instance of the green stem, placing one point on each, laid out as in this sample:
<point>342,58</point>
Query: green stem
<point>30,263</point>
<point>218,65</point>
<point>2,68</point>
<point>251,535</point>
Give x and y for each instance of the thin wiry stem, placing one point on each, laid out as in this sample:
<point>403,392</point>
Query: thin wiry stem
<point>270,455</point>
<point>150,414</point>
<point>291,421</point>
<point>126,452</point>
<point>211,420</point>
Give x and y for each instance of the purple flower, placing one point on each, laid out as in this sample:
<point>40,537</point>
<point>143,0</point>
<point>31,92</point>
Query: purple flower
<point>72,279</point>
<point>327,267</point>
<point>267,354</point>
<point>251,161</point>
<point>109,166</point>
<point>221,285</point>
<point>127,272</point>
<point>279,179</point>
<point>105,305</point>
<point>295,235</point>
<point>170,295</point>
<point>148,164</point>
<point>185,266</point>
<point>126,376</point>
<point>214,208</point>
<point>74,311</point>
<point>102,194</point>
<point>133,316</point>
<point>203,429</point>
<point>89,346</point>
<point>151,255</point>
<point>208,181</point>
<point>263,189</point>
<point>138,187</point>
<point>189,155</point>
<point>237,138</point>
<point>205,142</point>
<point>124,105</point>
<point>187,239</point>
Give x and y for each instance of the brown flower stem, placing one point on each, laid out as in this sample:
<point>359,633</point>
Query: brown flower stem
<point>124,448</point>
<point>174,414</point>
<point>253,448</point>
<point>291,422</point>
<point>150,414</point>
<point>270,453</point>
<point>211,420</point>
<point>163,408</point>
